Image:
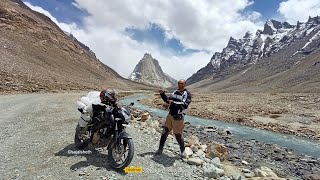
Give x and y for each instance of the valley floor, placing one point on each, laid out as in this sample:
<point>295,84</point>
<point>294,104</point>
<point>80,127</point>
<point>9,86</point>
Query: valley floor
<point>297,114</point>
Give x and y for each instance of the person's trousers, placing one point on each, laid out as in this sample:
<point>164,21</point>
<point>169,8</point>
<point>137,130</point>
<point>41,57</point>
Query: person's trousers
<point>177,126</point>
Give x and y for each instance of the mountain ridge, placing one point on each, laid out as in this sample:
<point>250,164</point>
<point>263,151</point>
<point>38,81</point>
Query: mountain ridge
<point>289,44</point>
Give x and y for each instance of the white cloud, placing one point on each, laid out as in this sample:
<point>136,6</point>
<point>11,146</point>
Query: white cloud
<point>206,24</point>
<point>197,24</point>
<point>66,27</point>
<point>299,10</point>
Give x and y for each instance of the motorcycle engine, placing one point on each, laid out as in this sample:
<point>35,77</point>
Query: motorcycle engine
<point>100,135</point>
<point>96,137</point>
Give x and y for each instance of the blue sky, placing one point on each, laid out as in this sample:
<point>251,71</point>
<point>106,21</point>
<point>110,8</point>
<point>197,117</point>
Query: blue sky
<point>64,11</point>
<point>182,34</point>
<point>268,8</point>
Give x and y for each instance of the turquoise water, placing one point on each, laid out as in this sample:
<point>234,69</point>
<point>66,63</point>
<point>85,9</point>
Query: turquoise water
<point>299,145</point>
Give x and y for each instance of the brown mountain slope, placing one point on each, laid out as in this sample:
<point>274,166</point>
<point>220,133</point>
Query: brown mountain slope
<point>36,55</point>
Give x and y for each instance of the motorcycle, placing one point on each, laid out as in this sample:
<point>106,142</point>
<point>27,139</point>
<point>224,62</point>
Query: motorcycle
<point>106,127</point>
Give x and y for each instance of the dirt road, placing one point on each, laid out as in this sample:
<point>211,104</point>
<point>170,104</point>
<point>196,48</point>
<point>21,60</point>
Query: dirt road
<point>36,139</point>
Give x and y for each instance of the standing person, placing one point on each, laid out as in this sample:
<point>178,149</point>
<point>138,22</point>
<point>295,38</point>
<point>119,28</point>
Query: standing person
<point>179,101</point>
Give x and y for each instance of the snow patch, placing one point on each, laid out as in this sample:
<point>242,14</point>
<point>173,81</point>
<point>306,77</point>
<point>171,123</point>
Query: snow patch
<point>315,37</point>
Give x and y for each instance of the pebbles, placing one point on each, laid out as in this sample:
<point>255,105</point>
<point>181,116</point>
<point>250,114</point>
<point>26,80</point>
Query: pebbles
<point>248,153</point>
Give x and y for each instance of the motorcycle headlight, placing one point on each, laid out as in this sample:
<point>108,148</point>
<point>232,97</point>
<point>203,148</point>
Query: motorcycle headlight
<point>126,114</point>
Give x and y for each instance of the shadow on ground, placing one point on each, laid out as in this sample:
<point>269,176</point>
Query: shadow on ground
<point>93,157</point>
<point>163,159</point>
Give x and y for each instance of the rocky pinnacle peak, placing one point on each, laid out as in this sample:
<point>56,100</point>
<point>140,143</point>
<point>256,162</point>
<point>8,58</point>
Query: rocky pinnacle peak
<point>315,19</point>
<point>247,35</point>
<point>270,26</point>
<point>147,56</point>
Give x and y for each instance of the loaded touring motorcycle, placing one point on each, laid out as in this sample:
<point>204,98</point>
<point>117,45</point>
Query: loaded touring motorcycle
<point>103,124</point>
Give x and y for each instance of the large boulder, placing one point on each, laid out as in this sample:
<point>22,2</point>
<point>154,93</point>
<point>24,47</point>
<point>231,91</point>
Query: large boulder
<point>188,151</point>
<point>145,116</point>
<point>193,140</point>
<point>216,150</point>
<point>195,161</point>
<point>216,162</point>
<point>212,172</point>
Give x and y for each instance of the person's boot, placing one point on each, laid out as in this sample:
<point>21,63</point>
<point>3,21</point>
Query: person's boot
<point>163,139</point>
<point>180,141</point>
<point>159,151</point>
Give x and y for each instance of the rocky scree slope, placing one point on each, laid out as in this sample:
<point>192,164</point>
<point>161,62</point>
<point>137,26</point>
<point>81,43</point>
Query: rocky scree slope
<point>36,55</point>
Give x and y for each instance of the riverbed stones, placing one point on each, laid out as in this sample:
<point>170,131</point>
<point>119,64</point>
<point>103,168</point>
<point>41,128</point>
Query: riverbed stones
<point>246,171</point>
<point>210,171</point>
<point>244,162</point>
<point>216,162</point>
<point>216,150</point>
<point>312,177</point>
<point>234,146</point>
<point>248,175</point>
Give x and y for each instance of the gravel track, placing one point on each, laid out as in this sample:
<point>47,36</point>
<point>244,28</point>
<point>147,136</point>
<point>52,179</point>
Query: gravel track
<point>36,137</point>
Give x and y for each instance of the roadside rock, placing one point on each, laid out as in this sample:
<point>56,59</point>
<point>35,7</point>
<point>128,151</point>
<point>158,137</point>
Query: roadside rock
<point>248,175</point>
<point>188,151</point>
<point>220,172</point>
<point>193,140</point>
<point>195,161</point>
<point>210,171</point>
<point>244,162</point>
<point>264,172</point>
<point>145,116</point>
<point>246,171</point>
<point>216,162</point>
<point>200,153</point>
<point>204,147</point>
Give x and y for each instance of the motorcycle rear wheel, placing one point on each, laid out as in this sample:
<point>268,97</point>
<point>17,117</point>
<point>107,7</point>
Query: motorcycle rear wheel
<point>80,144</point>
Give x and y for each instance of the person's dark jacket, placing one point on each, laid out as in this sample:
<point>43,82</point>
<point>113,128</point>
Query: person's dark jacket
<point>181,101</point>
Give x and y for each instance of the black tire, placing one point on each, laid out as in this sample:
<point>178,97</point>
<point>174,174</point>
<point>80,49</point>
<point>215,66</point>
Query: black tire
<point>128,159</point>
<point>77,141</point>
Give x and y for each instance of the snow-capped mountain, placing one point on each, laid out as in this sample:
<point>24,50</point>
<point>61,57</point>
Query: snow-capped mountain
<point>276,40</point>
<point>148,71</point>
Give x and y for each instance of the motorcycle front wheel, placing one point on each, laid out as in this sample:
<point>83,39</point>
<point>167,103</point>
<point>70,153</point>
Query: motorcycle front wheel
<point>120,155</point>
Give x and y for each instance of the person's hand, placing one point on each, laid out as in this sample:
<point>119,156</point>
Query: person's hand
<point>170,101</point>
<point>161,91</point>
